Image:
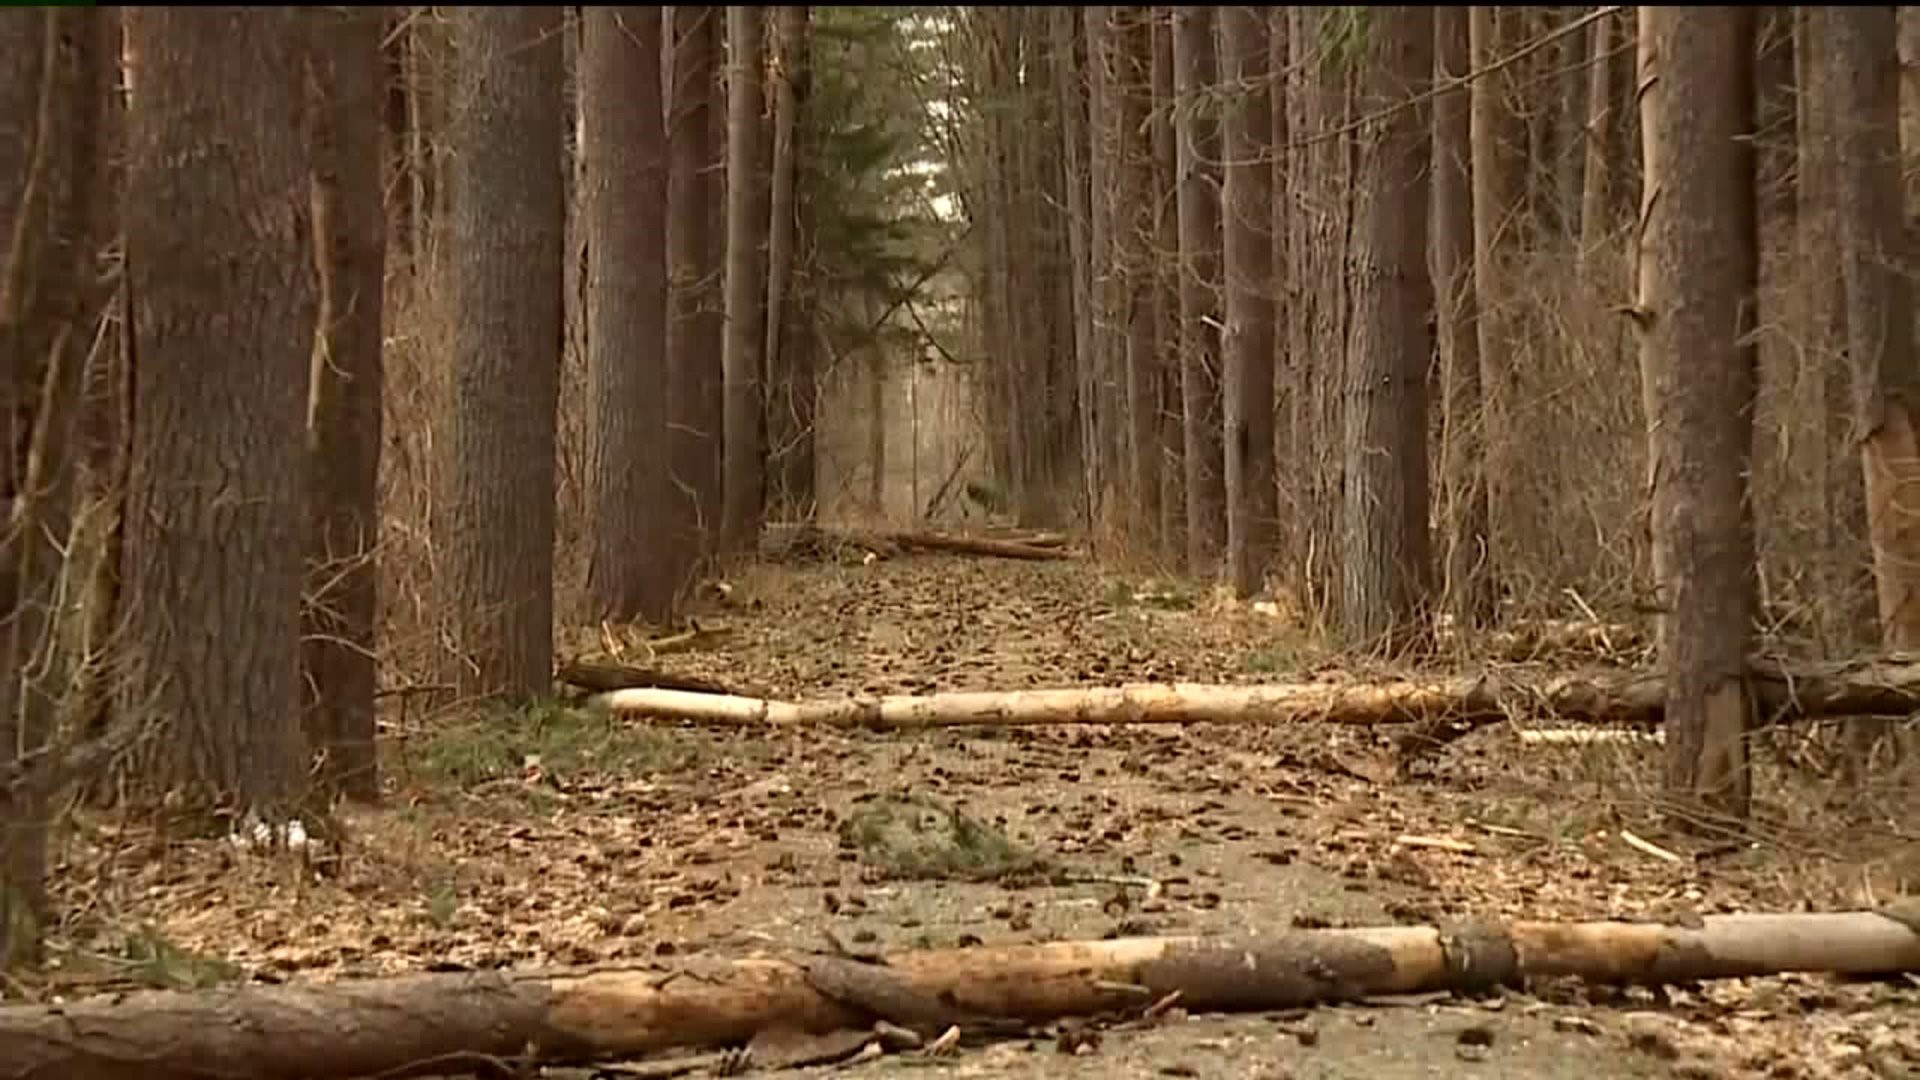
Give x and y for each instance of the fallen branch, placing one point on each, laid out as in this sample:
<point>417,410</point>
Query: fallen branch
<point>600,677</point>
<point>976,545</point>
<point>403,1026</point>
<point>1443,707</point>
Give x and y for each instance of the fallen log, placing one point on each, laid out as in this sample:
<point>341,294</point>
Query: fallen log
<point>976,545</point>
<point>419,1024</point>
<point>1882,688</point>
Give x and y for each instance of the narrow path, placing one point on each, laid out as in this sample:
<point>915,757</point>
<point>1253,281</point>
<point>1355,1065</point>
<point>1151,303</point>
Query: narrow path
<point>578,841</point>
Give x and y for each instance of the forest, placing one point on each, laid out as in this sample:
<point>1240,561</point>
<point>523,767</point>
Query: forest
<point>1120,541</point>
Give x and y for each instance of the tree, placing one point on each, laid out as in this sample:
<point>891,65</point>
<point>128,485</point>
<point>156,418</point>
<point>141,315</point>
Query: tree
<point>1387,565</point>
<point>1132,49</point>
<point>694,364</point>
<point>1468,587</point>
<point>746,278</point>
<point>1197,145</point>
<point>223,324</point>
<point>1171,436</point>
<point>792,393</point>
<point>350,238</point>
<point>1856,50</point>
<point>53,98</point>
<point>1488,121</point>
<point>1247,345</point>
<point>1698,271</point>
<point>508,236</point>
<point>625,144</point>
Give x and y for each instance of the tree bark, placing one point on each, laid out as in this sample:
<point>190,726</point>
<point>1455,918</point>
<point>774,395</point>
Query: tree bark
<point>1468,587</point>
<point>1247,344</point>
<point>629,486</point>
<point>1108,474</point>
<point>1065,34</point>
<point>1133,219</point>
<point>1785,692</point>
<point>495,1020</point>
<point>1859,46</point>
<point>344,426</point>
<point>1387,564</point>
<point>1596,206</point>
<point>1699,268</point>
<point>789,417</point>
<point>1488,121</point>
<point>1197,145</point>
<point>694,361</point>
<point>743,486</point>
<point>508,236</point>
<point>219,257</point>
<point>462,1021</point>
<point>54,216</point>
<point>1171,434</point>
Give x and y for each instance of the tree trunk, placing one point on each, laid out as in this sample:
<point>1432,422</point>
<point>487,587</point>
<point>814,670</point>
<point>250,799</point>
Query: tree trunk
<point>1133,218</point>
<point>54,217</point>
<point>1699,268</point>
<point>1197,145</point>
<point>1859,47</point>
<point>789,415</point>
<point>1388,561</point>
<point>1459,703</point>
<point>508,236</point>
<point>1064,27</point>
<point>1109,470</point>
<point>625,146</point>
<point>693,363</point>
<point>1596,206</point>
<point>770,1004</point>
<point>1247,344</point>
<point>1492,199</point>
<point>350,241</point>
<point>221,268</point>
<point>1170,436</point>
<point>1468,587</point>
<point>746,280</point>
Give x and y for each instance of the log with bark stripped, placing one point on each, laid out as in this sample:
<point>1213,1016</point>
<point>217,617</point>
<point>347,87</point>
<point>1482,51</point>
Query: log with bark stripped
<point>1888,687</point>
<point>497,1021</point>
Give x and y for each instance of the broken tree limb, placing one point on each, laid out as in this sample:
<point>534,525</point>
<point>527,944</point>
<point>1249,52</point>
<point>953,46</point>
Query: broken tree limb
<point>403,1026</point>
<point>976,545</point>
<point>598,677</point>
<point>1447,706</point>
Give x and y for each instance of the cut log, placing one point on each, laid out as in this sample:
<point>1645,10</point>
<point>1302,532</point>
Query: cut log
<point>1446,706</point>
<point>492,1021</point>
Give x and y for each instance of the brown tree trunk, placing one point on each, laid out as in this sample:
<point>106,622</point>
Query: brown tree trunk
<point>1197,145</point>
<point>508,235</point>
<point>694,432</point>
<point>1109,462</point>
<point>1247,344</point>
<point>1492,200</point>
<point>1699,268</point>
<point>625,146</point>
<point>53,218</point>
<point>350,242</point>
<point>1133,220</point>
<point>1468,588</point>
<point>1858,46</point>
<point>1596,207</point>
<point>1388,561</point>
<point>789,418</point>
<point>1065,34</point>
<point>220,263</point>
<point>746,279</point>
<point>1170,436</point>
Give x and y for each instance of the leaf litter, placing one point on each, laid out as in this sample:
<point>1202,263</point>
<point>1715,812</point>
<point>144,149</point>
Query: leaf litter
<point>561,837</point>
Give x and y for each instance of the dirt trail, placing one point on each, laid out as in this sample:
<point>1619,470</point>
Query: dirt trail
<point>569,842</point>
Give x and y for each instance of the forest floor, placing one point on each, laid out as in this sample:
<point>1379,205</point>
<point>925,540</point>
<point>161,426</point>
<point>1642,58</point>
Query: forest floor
<point>569,838</point>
